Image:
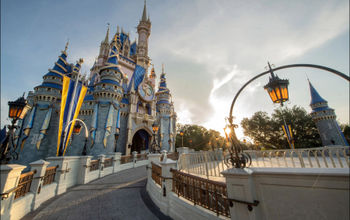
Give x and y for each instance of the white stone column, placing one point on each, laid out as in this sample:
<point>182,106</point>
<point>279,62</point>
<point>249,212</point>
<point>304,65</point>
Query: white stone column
<point>167,182</point>
<point>40,167</point>
<point>10,174</point>
<point>61,173</point>
<point>134,154</point>
<point>155,158</point>
<point>240,186</point>
<point>101,157</point>
<point>116,160</point>
<point>84,169</point>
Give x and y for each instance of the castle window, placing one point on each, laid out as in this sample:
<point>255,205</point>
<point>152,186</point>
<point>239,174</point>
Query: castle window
<point>48,89</point>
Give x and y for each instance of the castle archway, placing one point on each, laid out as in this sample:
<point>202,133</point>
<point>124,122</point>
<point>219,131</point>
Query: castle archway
<point>141,141</point>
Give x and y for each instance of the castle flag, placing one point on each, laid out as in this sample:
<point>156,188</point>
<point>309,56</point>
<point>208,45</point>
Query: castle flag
<point>73,93</point>
<point>288,132</point>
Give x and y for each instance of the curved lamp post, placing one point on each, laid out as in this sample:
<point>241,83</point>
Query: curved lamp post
<point>278,92</point>
<point>17,110</point>
<point>76,130</point>
<point>182,137</point>
<point>155,130</point>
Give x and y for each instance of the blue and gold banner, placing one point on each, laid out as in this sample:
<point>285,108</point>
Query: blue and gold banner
<point>73,94</point>
<point>288,132</point>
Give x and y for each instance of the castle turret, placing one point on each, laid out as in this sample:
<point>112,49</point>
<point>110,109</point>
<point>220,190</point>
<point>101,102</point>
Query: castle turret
<point>166,116</point>
<point>107,93</point>
<point>325,120</point>
<point>38,136</point>
<point>104,49</point>
<point>144,31</point>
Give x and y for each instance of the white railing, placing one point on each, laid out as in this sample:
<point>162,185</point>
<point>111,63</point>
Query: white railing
<point>211,163</point>
<point>206,163</point>
<point>322,157</point>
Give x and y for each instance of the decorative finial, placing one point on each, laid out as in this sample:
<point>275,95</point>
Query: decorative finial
<point>117,29</point>
<point>272,74</point>
<point>80,61</point>
<point>66,47</point>
<point>162,67</point>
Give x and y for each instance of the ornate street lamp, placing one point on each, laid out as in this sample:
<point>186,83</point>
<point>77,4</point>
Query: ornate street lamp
<point>182,137</point>
<point>277,88</point>
<point>17,110</point>
<point>278,91</point>
<point>155,130</point>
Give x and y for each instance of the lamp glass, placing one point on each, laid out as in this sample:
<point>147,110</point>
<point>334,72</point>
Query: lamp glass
<point>77,128</point>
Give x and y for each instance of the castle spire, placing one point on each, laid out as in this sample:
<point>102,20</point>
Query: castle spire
<point>144,14</point>
<point>315,97</point>
<point>107,35</point>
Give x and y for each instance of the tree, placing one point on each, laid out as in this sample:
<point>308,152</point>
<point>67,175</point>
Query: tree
<point>198,138</point>
<point>268,131</point>
<point>346,131</point>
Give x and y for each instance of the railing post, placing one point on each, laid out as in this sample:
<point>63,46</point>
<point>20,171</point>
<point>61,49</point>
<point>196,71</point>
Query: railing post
<point>116,160</point>
<point>10,174</point>
<point>240,185</point>
<point>155,158</point>
<point>101,159</point>
<point>60,177</point>
<point>40,167</point>
<point>134,157</point>
<point>85,169</point>
<point>167,182</point>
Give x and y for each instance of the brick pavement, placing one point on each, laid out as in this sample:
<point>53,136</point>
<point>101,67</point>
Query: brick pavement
<point>118,196</point>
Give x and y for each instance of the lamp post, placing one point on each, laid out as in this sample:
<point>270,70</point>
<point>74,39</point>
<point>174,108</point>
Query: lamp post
<point>182,137</point>
<point>278,92</point>
<point>17,110</point>
<point>76,130</point>
<point>155,130</point>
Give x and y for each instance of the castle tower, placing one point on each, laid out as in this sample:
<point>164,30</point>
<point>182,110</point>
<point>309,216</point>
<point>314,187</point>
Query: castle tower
<point>104,50</point>
<point>37,135</point>
<point>144,31</point>
<point>107,95</point>
<point>166,116</point>
<point>325,120</point>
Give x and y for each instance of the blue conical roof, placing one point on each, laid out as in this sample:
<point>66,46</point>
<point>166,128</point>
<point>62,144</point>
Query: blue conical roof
<point>315,97</point>
<point>60,66</point>
<point>162,84</point>
<point>112,62</point>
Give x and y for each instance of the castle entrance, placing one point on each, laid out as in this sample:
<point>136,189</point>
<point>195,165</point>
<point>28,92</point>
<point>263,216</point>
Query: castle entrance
<point>140,141</point>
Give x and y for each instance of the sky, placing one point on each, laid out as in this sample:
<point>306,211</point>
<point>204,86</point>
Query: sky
<point>210,49</point>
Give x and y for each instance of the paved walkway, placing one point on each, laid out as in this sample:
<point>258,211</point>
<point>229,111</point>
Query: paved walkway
<point>118,196</point>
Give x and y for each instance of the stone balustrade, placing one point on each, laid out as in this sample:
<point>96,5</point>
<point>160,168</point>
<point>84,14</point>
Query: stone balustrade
<point>68,171</point>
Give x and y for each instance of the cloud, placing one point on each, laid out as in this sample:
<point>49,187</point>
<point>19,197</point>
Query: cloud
<point>231,41</point>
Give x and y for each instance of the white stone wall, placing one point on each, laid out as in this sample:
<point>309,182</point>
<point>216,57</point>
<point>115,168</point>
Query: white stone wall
<point>71,171</point>
<point>289,193</point>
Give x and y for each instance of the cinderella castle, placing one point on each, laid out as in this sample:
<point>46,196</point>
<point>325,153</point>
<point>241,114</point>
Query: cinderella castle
<point>120,106</point>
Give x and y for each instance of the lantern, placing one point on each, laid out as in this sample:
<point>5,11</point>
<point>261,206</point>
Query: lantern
<point>277,88</point>
<point>18,109</point>
<point>155,127</point>
<point>181,133</point>
<point>77,128</point>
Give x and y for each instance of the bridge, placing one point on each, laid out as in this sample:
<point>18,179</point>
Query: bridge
<point>313,182</point>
